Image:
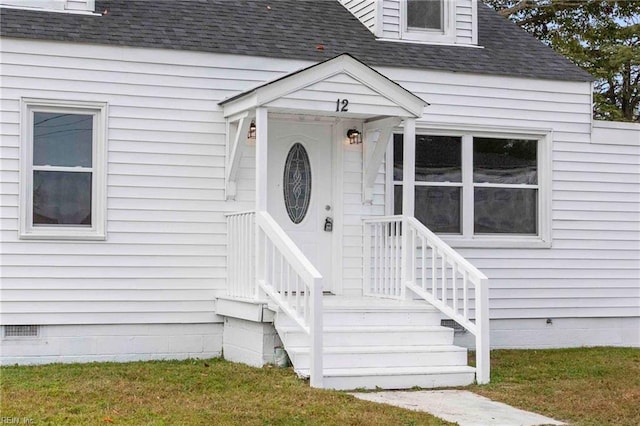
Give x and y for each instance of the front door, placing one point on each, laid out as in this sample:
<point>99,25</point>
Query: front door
<point>299,182</point>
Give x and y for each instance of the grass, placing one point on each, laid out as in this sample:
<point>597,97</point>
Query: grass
<point>584,386</point>
<point>212,392</point>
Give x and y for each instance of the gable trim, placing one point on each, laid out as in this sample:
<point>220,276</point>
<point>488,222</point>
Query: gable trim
<point>345,63</point>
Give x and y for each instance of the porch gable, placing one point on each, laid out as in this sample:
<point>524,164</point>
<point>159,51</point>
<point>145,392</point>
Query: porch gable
<point>342,87</point>
<point>321,89</point>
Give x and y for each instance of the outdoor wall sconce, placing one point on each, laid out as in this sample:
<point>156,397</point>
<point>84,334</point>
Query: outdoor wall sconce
<point>252,130</point>
<point>355,137</point>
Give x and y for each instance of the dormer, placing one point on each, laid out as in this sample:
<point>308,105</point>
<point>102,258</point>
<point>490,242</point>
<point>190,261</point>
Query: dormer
<point>419,21</point>
<point>72,6</point>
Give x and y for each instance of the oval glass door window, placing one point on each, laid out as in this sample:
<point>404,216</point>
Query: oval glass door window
<point>297,183</point>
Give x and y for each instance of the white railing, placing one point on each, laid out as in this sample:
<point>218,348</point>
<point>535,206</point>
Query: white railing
<point>435,272</point>
<point>293,283</point>
<point>241,231</point>
<point>383,251</point>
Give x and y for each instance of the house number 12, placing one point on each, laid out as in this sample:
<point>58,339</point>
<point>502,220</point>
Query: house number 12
<point>342,105</point>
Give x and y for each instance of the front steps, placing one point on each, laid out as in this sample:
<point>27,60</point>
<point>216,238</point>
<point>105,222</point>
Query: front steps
<point>375,343</point>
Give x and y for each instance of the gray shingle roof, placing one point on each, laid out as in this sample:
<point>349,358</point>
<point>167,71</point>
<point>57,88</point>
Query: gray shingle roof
<point>288,29</point>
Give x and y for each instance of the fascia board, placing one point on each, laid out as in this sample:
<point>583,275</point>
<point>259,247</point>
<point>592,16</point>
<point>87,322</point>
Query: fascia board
<point>240,105</point>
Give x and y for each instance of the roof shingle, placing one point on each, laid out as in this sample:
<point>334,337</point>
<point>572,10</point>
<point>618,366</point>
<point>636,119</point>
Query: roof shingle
<point>289,29</point>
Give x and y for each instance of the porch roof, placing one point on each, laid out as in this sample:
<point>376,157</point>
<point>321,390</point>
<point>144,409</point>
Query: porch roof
<point>322,89</point>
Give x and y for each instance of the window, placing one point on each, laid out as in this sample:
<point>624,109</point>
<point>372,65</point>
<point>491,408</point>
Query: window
<point>478,187</point>
<point>424,14</point>
<point>63,172</point>
<point>39,4</point>
<point>428,20</point>
<point>75,6</point>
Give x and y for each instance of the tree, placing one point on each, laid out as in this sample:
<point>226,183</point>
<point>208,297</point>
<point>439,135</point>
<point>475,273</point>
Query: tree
<point>602,37</point>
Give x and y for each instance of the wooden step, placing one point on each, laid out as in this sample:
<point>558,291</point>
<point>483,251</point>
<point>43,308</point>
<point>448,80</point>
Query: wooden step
<point>382,356</point>
<point>371,335</point>
<point>395,377</point>
<point>376,343</point>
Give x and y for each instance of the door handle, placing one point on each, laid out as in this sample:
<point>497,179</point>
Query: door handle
<point>328,224</point>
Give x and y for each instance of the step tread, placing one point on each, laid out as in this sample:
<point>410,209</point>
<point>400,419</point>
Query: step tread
<point>380,349</point>
<point>392,371</point>
<point>372,302</point>
<point>381,309</point>
<point>372,328</point>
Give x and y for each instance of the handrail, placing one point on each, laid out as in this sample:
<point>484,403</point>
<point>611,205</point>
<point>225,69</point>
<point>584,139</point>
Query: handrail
<point>286,275</point>
<point>438,295</point>
<point>433,272</point>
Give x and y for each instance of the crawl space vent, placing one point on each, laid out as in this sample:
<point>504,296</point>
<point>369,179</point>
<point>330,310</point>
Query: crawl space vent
<point>21,331</point>
<point>457,328</point>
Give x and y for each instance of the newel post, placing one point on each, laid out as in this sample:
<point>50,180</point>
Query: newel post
<point>315,334</point>
<point>483,361</point>
<point>408,196</point>
<point>262,131</point>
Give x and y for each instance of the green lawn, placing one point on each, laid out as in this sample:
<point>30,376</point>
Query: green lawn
<point>587,386</point>
<point>209,393</point>
<point>584,386</point>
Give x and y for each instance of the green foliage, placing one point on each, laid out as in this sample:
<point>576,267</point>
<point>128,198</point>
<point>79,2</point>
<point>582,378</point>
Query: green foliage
<point>602,37</point>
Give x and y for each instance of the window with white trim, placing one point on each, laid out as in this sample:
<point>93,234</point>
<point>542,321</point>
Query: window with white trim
<point>478,187</point>
<point>428,20</point>
<point>52,5</point>
<point>63,182</point>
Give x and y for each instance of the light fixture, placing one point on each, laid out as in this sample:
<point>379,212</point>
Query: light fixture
<point>252,130</point>
<point>355,137</point>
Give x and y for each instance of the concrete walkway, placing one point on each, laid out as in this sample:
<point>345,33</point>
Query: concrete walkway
<point>462,407</point>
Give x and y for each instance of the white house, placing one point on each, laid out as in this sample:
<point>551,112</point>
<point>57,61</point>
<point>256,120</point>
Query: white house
<point>337,178</point>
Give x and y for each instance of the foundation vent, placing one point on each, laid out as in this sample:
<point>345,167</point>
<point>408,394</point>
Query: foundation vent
<point>457,328</point>
<point>21,331</point>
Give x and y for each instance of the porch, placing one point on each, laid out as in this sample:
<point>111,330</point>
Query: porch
<point>285,257</point>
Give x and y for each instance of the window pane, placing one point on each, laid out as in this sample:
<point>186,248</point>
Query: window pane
<point>438,158</point>
<point>424,14</point>
<point>297,183</point>
<point>397,156</point>
<point>61,139</point>
<point>437,207</point>
<point>61,198</point>
<point>510,161</point>
<point>505,211</point>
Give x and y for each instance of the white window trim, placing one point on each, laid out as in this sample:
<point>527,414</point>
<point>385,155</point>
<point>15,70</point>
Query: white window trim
<point>445,36</point>
<point>467,239</point>
<point>84,7</point>
<point>97,231</point>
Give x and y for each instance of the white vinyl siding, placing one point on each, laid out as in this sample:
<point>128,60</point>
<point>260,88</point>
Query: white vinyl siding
<point>364,10</point>
<point>164,259</point>
<point>165,256</point>
<point>466,22</point>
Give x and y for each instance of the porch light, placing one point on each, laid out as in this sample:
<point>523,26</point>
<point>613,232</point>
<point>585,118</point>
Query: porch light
<point>252,130</point>
<point>355,137</point>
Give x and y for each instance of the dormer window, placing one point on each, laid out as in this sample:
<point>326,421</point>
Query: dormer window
<point>71,6</point>
<point>428,20</point>
<point>424,14</point>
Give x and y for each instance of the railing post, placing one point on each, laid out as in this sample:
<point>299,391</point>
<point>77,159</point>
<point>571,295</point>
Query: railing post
<point>483,361</point>
<point>408,196</point>
<point>366,264</point>
<point>315,331</point>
